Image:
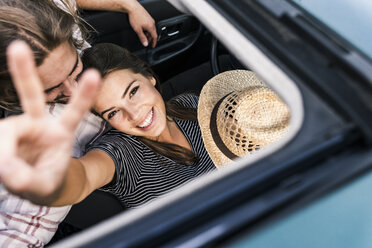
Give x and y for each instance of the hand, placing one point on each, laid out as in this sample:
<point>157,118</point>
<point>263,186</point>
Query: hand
<point>34,147</point>
<point>143,24</point>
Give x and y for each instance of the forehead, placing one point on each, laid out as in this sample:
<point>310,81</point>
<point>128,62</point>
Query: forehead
<point>119,76</point>
<point>114,81</point>
<point>114,85</point>
<point>57,66</point>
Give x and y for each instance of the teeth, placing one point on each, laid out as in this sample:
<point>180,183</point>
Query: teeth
<point>147,121</point>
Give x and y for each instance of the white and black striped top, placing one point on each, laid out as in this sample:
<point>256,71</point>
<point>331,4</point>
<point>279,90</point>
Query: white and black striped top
<point>140,176</point>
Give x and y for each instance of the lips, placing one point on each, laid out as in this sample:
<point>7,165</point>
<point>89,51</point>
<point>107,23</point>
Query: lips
<point>145,124</point>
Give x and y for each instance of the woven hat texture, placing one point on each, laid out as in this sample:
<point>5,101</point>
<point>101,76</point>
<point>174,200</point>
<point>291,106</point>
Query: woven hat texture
<point>238,115</point>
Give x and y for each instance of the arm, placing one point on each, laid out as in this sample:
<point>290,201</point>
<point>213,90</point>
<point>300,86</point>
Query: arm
<point>139,18</point>
<point>83,176</point>
<point>34,148</point>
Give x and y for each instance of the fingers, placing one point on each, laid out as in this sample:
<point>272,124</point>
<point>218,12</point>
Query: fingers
<point>25,78</point>
<point>9,138</point>
<point>153,34</point>
<point>142,37</point>
<point>12,169</point>
<point>15,174</point>
<point>148,35</point>
<point>82,100</point>
<point>39,186</point>
<point>141,22</point>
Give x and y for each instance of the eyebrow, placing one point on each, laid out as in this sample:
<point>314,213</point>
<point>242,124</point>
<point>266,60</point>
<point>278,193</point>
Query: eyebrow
<point>103,112</point>
<point>72,71</point>
<point>127,89</point>
<point>125,92</point>
<point>52,88</point>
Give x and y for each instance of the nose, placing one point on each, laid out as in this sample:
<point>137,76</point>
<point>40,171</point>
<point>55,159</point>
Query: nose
<point>132,110</point>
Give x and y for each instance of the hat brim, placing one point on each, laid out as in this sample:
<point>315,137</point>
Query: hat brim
<point>216,88</point>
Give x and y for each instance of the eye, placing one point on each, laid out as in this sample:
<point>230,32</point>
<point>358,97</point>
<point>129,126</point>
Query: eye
<point>133,91</point>
<point>78,76</point>
<point>49,91</point>
<point>112,114</point>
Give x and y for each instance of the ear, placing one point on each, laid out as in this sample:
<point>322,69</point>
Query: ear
<point>153,81</point>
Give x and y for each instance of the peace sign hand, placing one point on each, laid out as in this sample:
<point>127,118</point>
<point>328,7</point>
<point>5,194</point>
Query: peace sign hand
<point>34,148</point>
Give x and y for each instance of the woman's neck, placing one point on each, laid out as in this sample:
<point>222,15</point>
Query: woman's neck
<point>173,134</point>
<point>169,133</point>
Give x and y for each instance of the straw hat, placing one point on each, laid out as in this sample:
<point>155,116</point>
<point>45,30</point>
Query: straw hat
<point>239,115</point>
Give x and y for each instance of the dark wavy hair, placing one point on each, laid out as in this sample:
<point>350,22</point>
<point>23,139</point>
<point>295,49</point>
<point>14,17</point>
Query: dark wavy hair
<point>106,58</point>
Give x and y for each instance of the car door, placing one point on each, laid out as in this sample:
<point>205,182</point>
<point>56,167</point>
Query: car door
<point>177,32</point>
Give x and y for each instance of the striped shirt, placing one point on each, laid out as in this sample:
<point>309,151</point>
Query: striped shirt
<point>140,176</point>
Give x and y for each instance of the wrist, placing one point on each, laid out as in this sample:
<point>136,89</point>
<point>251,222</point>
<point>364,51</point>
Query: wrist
<point>129,6</point>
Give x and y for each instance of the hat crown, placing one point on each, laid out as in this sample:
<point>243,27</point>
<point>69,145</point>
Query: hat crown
<point>261,109</point>
<point>251,118</point>
<point>239,114</point>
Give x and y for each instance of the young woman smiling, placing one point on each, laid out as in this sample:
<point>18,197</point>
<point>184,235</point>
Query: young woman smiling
<point>154,146</point>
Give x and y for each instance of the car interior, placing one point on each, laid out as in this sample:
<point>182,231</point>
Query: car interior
<point>329,131</point>
<point>185,58</point>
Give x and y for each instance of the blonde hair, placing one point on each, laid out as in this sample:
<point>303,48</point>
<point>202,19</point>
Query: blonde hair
<point>43,25</point>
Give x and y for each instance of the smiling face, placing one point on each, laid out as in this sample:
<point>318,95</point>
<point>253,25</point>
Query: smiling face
<point>58,72</point>
<point>131,104</point>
